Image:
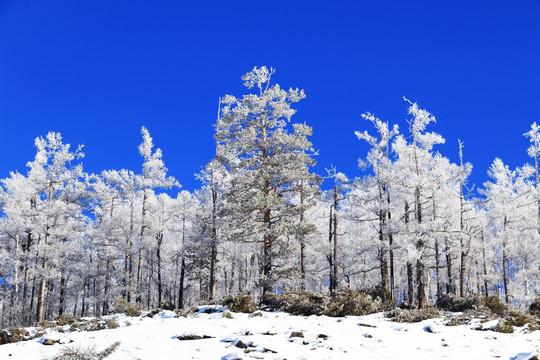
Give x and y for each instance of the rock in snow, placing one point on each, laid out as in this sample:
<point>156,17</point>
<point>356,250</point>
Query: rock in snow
<point>533,355</point>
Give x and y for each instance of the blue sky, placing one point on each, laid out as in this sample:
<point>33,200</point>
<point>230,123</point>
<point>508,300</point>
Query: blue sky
<point>97,71</point>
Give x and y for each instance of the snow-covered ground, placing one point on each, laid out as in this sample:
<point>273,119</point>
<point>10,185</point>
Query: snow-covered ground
<point>269,337</point>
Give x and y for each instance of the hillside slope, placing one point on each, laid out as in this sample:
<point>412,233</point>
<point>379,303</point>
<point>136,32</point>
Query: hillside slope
<point>267,335</point>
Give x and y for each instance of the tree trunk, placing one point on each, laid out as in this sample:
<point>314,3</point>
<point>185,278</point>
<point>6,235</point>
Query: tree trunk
<point>537,190</point>
<point>105,307</point>
<point>183,268</point>
<point>449,284</point>
<point>26,272</point>
<point>267,255</point>
<point>463,257</point>
<point>410,283</point>
<point>267,260</point>
<point>230,285</point>
<point>130,253</point>
<point>384,274</point>
<point>61,306</point>
<point>83,302</point>
<point>421,283</point>
<point>41,296</point>
<point>159,238</point>
<point>486,291</point>
<point>505,266</point>
<point>505,277</point>
<point>335,259</point>
<point>181,285</point>
<point>391,252</point>
<point>42,287</point>
<point>437,255</point>
<point>410,280</point>
<point>302,242</point>
<point>462,274</point>
<point>32,298</point>
<point>141,246</point>
<point>330,256</point>
<point>392,277</point>
<point>149,276</point>
<point>381,253</point>
<point>437,269</point>
<point>213,250</point>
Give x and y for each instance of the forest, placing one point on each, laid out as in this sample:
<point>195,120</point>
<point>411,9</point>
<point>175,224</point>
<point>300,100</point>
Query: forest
<point>411,228</point>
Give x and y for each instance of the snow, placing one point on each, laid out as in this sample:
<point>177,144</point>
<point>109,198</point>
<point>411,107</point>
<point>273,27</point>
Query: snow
<point>269,337</point>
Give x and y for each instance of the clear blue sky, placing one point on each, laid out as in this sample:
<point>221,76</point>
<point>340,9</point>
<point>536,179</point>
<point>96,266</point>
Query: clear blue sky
<point>96,71</point>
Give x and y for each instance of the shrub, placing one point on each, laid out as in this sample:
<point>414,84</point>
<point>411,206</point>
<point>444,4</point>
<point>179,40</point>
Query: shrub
<point>296,303</point>
<point>112,324</point>
<point>46,324</point>
<point>481,312</point>
<point>94,325</point>
<point>458,320</point>
<point>167,305</point>
<point>495,304</point>
<point>186,312</point>
<point>273,302</point>
<point>12,335</point>
<point>503,327</point>
<point>124,307</point>
<point>88,353</point>
<point>64,319</point>
<point>406,306</point>
<point>413,315</point>
<point>377,292</point>
<point>153,312</point>
<point>346,302</point>
<point>304,304</point>
<point>534,308</point>
<point>456,303</point>
<point>239,303</point>
<point>519,319</point>
<point>352,302</point>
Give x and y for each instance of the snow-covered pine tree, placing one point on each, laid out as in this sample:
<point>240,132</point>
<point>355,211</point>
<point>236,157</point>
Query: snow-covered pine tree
<point>267,161</point>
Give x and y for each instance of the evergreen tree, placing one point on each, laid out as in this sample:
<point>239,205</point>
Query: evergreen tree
<point>267,161</point>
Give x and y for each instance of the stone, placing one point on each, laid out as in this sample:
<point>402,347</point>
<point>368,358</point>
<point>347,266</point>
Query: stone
<point>193,337</point>
<point>50,341</point>
<point>240,344</point>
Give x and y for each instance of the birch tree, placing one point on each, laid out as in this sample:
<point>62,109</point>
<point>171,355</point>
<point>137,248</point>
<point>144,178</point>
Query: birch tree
<point>154,176</point>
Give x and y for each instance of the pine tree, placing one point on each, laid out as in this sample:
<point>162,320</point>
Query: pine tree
<point>267,161</point>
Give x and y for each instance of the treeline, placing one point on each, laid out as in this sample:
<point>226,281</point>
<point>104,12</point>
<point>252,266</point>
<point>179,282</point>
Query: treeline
<point>410,229</point>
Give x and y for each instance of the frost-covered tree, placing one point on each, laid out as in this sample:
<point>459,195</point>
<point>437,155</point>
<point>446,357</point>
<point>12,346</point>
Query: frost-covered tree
<point>509,204</point>
<point>379,161</point>
<point>154,176</point>
<point>53,201</point>
<point>534,151</point>
<point>268,160</point>
<point>413,164</point>
<point>214,177</point>
<point>123,184</point>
